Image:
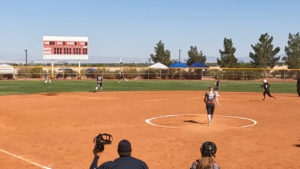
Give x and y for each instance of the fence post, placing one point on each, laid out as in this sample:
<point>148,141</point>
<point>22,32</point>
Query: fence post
<point>201,78</point>
<point>283,75</point>
<point>243,75</point>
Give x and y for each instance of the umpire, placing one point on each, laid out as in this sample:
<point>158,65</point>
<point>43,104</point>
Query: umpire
<point>125,161</point>
<point>298,86</point>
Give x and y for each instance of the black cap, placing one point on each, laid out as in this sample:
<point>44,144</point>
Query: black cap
<point>124,146</point>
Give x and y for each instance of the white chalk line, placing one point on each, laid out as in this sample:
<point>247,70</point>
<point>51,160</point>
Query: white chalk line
<point>21,158</point>
<point>176,115</point>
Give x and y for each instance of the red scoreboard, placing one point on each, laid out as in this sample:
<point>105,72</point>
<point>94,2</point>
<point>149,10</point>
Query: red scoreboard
<point>64,47</point>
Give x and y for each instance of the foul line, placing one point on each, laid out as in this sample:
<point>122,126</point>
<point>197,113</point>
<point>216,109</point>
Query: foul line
<point>176,115</point>
<point>21,158</point>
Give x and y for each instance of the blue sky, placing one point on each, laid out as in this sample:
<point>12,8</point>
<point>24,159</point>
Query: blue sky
<point>131,28</point>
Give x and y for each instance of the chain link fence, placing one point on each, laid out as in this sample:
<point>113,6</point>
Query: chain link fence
<point>39,72</point>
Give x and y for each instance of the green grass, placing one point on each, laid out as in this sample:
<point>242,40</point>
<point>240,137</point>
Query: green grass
<point>30,87</point>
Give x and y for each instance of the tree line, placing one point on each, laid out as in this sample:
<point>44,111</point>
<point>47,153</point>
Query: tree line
<point>263,54</point>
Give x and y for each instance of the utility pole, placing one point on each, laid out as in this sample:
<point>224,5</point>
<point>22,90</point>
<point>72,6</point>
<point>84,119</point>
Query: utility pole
<point>120,63</point>
<point>179,54</point>
<point>26,62</point>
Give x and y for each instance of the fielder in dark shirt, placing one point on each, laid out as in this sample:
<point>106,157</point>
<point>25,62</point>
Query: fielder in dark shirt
<point>298,86</point>
<point>217,85</point>
<point>122,77</point>
<point>99,83</point>
<point>125,161</point>
<point>266,87</point>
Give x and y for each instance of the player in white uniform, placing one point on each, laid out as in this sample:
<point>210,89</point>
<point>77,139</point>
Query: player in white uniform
<point>99,83</point>
<point>47,78</point>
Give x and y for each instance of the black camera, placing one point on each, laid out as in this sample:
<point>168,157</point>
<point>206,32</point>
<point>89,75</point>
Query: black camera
<point>101,140</point>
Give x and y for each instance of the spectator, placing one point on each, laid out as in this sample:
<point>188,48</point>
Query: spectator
<point>125,161</point>
<point>208,151</point>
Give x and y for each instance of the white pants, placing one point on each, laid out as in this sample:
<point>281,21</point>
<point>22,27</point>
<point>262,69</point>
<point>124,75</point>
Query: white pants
<point>48,80</point>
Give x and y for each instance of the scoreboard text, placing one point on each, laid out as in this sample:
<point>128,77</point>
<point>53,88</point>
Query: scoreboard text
<point>65,48</point>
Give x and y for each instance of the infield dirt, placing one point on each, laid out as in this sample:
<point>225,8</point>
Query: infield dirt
<point>59,129</point>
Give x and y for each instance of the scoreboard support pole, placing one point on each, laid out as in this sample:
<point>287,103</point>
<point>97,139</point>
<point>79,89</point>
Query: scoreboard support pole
<point>79,67</point>
<point>52,68</point>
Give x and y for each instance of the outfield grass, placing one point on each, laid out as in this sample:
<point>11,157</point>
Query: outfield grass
<point>30,87</point>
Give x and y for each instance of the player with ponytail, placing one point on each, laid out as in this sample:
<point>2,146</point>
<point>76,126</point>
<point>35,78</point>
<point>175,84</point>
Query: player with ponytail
<point>208,151</point>
<point>209,99</point>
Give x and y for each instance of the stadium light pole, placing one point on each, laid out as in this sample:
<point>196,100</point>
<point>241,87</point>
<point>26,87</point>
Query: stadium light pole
<point>26,62</point>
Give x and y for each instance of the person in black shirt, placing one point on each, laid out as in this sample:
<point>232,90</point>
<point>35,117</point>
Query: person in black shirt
<point>298,86</point>
<point>99,83</point>
<point>217,86</point>
<point>122,77</point>
<point>266,87</point>
<point>209,100</point>
<point>125,161</point>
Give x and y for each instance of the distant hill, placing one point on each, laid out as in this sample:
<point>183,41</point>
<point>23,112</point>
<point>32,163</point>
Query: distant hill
<point>5,58</point>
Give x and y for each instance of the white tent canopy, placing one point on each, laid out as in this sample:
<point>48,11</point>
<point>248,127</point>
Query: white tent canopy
<point>6,69</point>
<point>158,66</point>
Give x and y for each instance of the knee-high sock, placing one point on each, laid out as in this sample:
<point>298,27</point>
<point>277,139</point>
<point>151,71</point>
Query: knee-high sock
<point>209,118</point>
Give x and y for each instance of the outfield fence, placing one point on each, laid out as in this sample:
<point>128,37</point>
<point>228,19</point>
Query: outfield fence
<point>38,72</point>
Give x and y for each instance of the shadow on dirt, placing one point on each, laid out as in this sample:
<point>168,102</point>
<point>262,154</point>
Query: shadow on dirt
<point>297,145</point>
<point>193,121</point>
